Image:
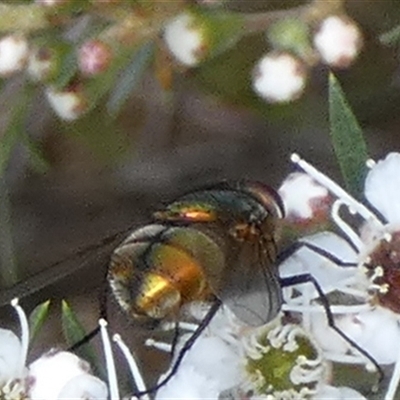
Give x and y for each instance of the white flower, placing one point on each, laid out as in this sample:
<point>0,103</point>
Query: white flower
<point>303,197</point>
<point>369,284</point>
<point>185,39</point>
<point>67,104</point>
<point>338,40</point>
<point>56,375</point>
<point>230,360</point>
<point>10,356</point>
<point>339,393</point>
<point>279,77</point>
<point>63,375</point>
<point>14,51</point>
<point>286,348</point>
<point>212,365</point>
<point>13,353</point>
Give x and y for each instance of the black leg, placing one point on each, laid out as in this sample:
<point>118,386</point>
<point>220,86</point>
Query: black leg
<point>175,338</point>
<point>187,346</point>
<point>289,251</point>
<point>308,278</point>
<point>103,313</point>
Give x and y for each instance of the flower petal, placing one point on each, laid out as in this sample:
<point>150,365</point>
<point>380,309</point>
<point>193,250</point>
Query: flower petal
<point>325,271</point>
<point>340,393</point>
<point>10,354</point>
<point>365,328</point>
<point>382,187</point>
<point>211,366</point>
<point>85,387</point>
<point>51,372</point>
<point>206,357</point>
<point>188,384</point>
<point>302,195</point>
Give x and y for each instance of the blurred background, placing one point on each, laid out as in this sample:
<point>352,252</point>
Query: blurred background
<point>100,175</point>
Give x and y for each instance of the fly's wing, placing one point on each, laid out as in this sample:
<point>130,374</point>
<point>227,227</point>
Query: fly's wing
<point>250,286</point>
<point>95,254</point>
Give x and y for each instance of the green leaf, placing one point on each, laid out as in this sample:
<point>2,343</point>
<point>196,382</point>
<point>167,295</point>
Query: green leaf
<point>391,37</point>
<point>36,155</point>
<point>16,132</point>
<point>130,77</point>
<point>15,127</point>
<point>68,67</point>
<point>37,318</point>
<point>73,332</point>
<point>347,139</point>
<point>72,328</point>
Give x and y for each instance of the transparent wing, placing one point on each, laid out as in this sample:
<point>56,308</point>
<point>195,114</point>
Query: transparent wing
<point>92,256</point>
<point>250,286</point>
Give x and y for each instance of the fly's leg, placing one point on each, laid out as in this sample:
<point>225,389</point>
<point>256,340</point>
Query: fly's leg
<point>186,347</point>
<point>308,278</point>
<point>103,295</point>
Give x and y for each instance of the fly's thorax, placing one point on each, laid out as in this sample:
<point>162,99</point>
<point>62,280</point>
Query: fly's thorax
<point>223,203</point>
<point>244,210</point>
<point>153,275</point>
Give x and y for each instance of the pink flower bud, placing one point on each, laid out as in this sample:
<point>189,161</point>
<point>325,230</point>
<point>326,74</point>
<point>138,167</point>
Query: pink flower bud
<point>94,57</point>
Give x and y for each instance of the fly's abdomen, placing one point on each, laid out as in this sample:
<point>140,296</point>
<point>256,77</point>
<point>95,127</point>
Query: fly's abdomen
<point>159,268</point>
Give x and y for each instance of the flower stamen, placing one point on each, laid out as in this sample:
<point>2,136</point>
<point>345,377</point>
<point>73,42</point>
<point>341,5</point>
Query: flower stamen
<point>387,237</point>
<point>136,375</point>
<point>162,346</point>
<point>346,229</point>
<point>111,372</point>
<point>282,362</point>
<point>23,320</point>
<point>333,187</point>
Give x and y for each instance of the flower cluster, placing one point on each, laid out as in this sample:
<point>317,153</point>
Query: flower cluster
<point>110,49</point>
<point>231,360</point>
<point>281,360</point>
<point>281,75</point>
<point>360,270</point>
<point>297,44</point>
<point>56,375</point>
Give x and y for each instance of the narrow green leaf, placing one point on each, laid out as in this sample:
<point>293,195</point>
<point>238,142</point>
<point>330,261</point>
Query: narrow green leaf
<point>36,155</point>
<point>130,77</point>
<point>68,68</point>
<point>37,318</point>
<point>347,139</point>
<point>15,131</point>
<point>391,37</point>
<point>15,127</point>
<point>72,328</point>
<point>8,261</point>
<point>73,332</point>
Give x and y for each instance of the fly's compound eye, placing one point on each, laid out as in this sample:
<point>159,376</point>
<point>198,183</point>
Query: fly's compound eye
<point>269,197</point>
